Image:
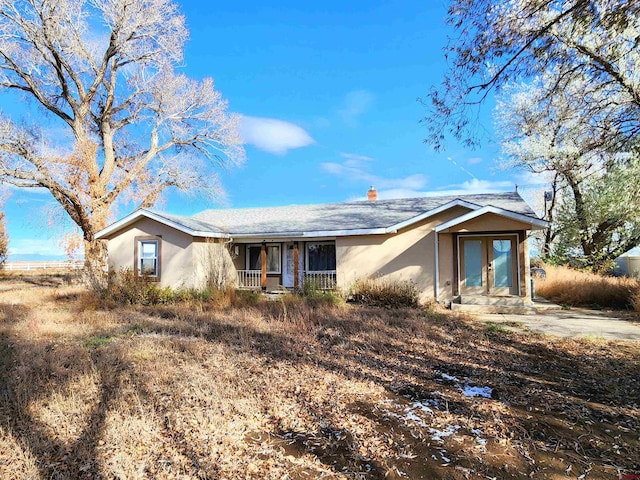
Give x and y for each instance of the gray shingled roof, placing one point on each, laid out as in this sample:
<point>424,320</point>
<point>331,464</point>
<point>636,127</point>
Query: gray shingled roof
<point>358,215</point>
<point>190,222</point>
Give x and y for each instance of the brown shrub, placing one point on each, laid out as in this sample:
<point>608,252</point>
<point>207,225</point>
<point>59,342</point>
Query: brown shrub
<point>384,293</point>
<point>635,300</point>
<point>586,289</point>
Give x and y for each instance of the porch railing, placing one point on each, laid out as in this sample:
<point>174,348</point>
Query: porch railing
<point>249,278</point>
<point>323,280</point>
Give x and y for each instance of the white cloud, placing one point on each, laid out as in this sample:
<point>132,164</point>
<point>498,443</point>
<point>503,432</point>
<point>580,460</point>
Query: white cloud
<point>475,186</point>
<point>465,188</point>
<point>355,104</point>
<point>411,182</point>
<point>273,135</point>
<point>474,160</point>
<point>354,169</point>
<point>355,156</point>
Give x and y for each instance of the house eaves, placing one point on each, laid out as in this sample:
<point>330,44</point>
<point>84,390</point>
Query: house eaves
<point>536,224</point>
<point>135,216</point>
<point>315,234</point>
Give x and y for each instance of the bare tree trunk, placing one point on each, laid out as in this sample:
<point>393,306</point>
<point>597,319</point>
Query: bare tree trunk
<point>95,251</point>
<point>581,214</point>
<point>550,233</point>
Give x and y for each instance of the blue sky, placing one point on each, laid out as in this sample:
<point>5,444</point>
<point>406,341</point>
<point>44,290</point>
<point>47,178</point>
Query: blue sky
<point>329,94</point>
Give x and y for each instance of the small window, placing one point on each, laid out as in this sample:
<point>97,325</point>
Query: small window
<point>254,258</point>
<point>148,258</point>
<point>321,257</point>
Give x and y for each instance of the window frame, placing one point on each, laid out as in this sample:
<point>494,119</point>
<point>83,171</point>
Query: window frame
<point>267,245</point>
<point>137,258</point>
<point>306,254</point>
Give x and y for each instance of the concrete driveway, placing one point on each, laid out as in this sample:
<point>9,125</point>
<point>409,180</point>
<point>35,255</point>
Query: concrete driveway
<point>572,323</point>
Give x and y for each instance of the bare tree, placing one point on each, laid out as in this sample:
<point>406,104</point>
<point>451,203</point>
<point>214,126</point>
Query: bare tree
<point>4,240</point>
<point>105,71</point>
<point>517,40</point>
<point>217,264</point>
<point>594,208</point>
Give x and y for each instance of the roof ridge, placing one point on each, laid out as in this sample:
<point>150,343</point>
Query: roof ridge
<point>363,202</point>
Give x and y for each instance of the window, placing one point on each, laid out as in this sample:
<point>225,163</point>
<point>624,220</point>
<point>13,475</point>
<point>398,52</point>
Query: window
<point>254,258</point>
<point>148,256</point>
<point>321,257</point>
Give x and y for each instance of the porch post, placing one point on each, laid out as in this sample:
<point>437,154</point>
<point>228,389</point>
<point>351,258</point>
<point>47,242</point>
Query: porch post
<point>437,269</point>
<point>263,257</point>
<point>295,264</point>
<point>524,272</point>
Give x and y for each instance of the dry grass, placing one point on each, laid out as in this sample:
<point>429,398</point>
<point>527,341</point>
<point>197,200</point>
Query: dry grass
<point>292,389</point>
<point>376,292</point>
<point>586,289</point>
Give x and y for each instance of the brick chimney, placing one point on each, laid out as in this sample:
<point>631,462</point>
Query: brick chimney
<point>372,194</point>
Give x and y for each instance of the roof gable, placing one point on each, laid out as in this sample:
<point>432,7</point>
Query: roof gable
<point>535,223</point>
<point>186,225</point>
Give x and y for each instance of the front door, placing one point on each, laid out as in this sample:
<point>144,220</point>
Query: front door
<point>288,271</point>
<point>488,265</point>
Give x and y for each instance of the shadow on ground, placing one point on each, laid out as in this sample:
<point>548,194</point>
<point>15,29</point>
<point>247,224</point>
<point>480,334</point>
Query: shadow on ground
<point>555,406</point>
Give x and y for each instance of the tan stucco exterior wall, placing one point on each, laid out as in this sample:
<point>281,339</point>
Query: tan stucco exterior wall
<point>410,254</point>
<point>447,267</point>
<point>525,266</point>
<point>176,252</point>
<point>490,222</point>
<point>211,255</point>
<point>406,255</point>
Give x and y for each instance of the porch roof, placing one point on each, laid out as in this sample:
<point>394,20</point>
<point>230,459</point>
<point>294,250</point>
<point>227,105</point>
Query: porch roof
<point>334,219</point>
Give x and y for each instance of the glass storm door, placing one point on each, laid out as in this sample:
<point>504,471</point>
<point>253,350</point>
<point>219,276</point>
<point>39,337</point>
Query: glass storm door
<point>473,266</point>
<point>501,264</point>
<point>488,265</point>
<point>288,270</point>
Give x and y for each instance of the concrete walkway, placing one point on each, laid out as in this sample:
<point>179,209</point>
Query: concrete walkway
<point>573,323</point>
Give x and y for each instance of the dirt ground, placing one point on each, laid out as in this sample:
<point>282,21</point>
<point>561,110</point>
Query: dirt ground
<point>295,390</point>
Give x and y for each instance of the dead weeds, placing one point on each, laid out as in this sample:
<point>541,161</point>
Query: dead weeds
<point>289,390</point>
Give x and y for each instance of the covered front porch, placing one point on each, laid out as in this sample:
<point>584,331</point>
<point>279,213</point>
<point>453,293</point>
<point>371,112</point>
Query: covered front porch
<point>290,264</point>
<point>490,258</point>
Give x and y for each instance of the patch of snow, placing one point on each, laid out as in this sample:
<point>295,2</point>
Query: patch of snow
<point>410,415</point>
<point>471,391</point>
<point>413,413</point>
<point>445,458</point>
<point>423,406</point>
<point>478,433</point>
<point>437,435</point>
<point>446,376</point>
